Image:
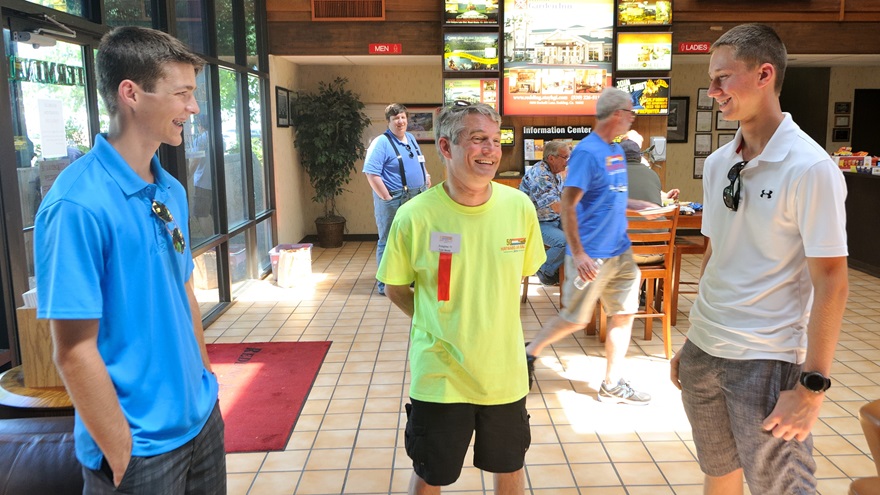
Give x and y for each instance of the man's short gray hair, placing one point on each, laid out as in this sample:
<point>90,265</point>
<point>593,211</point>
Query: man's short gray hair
<point>450,122</point>
<point>610,101</point>
<point>552,148</point>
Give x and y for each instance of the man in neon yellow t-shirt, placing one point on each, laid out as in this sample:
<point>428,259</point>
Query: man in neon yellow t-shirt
<point>466,245</point>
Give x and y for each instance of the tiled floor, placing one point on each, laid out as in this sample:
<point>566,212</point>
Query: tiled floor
<point>349,438</point>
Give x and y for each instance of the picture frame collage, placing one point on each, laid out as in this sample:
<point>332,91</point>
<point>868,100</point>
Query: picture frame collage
<point>840,132</point>
<point>710,125</point>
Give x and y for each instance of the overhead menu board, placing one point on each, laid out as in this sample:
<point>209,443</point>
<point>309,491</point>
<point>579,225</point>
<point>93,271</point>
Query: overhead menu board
<point>557,55</point>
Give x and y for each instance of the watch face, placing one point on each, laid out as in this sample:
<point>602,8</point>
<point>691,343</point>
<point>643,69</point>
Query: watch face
<point>815,382</point>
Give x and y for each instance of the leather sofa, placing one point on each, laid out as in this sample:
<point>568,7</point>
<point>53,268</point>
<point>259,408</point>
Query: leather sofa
<point>37,457</point>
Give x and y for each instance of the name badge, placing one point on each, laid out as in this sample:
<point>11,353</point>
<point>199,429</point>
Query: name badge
<point>421,158</point>
<point>442,242</point>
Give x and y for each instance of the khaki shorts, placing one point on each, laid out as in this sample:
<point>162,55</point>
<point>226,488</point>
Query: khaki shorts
<point>617,286</point>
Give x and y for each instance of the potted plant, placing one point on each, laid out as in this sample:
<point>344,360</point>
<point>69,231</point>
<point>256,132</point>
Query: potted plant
<point>329,126</point>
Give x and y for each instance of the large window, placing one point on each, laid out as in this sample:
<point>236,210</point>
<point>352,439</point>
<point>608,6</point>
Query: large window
<point>53,113</point>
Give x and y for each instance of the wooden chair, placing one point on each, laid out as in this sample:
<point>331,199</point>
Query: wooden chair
<point>525,283</point>
<point>684,245</point>
<point>869,416</point>
<point>652,238</point>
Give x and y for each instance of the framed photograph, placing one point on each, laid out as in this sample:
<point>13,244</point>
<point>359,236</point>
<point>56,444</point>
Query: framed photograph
<point>724,139</point>
<point>841,121</point>
<point>841,107</point>
<point>699,162</point>
<point>420,121</point>
<point>704,121</point>
<point>282,106</point>
<point>725,125</point>
<point>702,144</point>
<point>840,134</point>
<point>677,120</point>
<point>470,52</point>
<point>703,100</point>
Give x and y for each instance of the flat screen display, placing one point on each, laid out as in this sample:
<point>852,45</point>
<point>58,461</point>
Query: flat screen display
<point>644,13</point>
<point>474,12</point>
<point>650,96</point>
<point>474,90</point>
<point>507,136</point>
<point>557,55</point>
<point>470,52</point>
<point>644,51</point>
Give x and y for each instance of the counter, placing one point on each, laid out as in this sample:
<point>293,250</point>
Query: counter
<point>862,218</point>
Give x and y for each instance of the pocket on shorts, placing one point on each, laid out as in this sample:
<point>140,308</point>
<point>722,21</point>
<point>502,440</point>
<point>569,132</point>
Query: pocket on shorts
<point>413,438</point>
<point>527,431</point>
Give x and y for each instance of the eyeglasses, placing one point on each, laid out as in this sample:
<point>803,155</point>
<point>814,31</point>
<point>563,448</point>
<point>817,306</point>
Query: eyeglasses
<point>564,158</point>
<point>409,148</point>
<point>461,103</point>
<point>164,214</point>
<point>633,112</point>
<point>731,196</point>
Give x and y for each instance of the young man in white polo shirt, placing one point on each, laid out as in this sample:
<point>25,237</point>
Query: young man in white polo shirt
<point>773,286</point>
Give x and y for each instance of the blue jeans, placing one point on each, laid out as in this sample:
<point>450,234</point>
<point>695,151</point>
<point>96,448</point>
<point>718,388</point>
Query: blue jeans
<point>384,212</point>
<point>551,232</point>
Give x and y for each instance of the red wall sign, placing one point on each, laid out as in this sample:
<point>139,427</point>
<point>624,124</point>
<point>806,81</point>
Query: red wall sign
<point>386,49</point>
<point>694,47</point>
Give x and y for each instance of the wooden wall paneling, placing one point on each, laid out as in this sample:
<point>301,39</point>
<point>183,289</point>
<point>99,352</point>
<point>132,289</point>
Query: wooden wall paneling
<point>799,37</point>
<point>353,38</point>
<point>709,8</point>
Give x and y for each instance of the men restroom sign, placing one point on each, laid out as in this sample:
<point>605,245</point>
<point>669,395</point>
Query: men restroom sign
<point>385,49</point>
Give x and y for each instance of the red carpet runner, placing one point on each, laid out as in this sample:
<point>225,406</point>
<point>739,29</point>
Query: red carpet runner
<point>263,387</point>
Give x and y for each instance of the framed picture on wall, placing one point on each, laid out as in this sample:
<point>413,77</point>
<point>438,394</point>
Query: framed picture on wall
<point>841,107</point>
<point>722,124</point>
<point>724,139</point>
<point>703,100</point>
<point>840,134</point>
<point>704,121</point>
<point>698,167</point>
<point>420,121</point>
<point>677,120</point>
<point>282,107</point>
<point>702,144</point>
<point>841,121</point>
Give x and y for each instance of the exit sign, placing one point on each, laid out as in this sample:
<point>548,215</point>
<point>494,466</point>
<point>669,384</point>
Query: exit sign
<point>694,47</point>
<point>385,49</point>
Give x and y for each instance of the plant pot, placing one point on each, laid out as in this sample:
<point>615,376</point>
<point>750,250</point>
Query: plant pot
<point>330,231</point>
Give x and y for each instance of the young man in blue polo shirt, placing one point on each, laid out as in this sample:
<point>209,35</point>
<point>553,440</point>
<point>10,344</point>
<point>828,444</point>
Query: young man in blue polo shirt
<point>114,270</point>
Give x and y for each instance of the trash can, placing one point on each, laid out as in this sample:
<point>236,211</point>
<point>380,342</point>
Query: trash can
<point>291,264</point>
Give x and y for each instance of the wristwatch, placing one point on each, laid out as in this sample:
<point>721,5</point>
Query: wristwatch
<point>815,382</point>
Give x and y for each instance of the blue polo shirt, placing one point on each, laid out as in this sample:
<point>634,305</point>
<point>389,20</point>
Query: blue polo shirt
<point>599,169</point>
<point>101,253</point>
<point>381,160</point>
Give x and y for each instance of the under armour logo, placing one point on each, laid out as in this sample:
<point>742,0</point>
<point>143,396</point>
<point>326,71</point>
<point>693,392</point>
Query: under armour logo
<point>766,193</point>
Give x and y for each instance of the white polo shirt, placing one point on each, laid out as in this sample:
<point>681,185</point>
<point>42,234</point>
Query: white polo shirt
<point>755,294</point>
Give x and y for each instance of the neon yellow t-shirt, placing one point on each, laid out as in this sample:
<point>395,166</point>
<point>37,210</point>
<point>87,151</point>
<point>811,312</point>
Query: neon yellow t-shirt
<point>469,348</point>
